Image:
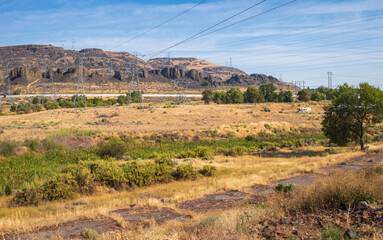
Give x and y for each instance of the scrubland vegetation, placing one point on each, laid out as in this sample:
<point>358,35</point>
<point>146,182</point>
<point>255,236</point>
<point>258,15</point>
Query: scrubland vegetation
<point>77,173</point>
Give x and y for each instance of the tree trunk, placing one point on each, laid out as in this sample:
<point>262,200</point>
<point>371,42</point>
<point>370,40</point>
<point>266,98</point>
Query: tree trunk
<point>361,137</point>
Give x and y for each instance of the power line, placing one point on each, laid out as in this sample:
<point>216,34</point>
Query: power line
<point>348,76</point>
<point>240,42</point>
<point>207,29</point>
<point>159,25</point>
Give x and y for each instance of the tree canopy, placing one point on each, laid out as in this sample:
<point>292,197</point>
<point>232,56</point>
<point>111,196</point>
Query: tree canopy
<point>352,112</point>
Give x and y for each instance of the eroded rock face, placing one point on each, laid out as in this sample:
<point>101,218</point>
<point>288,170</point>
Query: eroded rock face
<point>24,73</point>
<point>195,75</point>
<point>117,75</point>
<point>172,73</point>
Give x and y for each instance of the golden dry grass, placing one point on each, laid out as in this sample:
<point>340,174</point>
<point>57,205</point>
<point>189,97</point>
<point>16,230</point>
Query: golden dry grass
<point>240,120</point>
<point>235,173</point>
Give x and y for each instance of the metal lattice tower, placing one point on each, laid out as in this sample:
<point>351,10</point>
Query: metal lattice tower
<point>135,85</point>
<point>329,75</point>
<point>80,83</point>
<point>4,84</point>
<point>44,77</point>
<point>181,85</point>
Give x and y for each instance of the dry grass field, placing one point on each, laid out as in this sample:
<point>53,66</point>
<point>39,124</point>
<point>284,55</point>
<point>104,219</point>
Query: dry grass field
<point>240,120</point>
<point>243,183</point>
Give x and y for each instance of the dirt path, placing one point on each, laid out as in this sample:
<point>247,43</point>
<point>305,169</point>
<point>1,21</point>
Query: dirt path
<point>28,86</point>
<point>143,216</point>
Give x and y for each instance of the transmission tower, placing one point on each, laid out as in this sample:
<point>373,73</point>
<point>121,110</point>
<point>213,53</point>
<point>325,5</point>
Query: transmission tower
<point>135,85</point>
<point>329,75</point>
<point>44,76</point>
<point>4,83</point>
<point>181,85</point>
<point>80,83</point>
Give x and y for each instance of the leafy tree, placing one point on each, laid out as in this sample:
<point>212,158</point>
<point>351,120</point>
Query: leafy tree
<point>318,96</point>
<point>304,95</point>
<point>136,97</point>
<point>235,95</point>
<point>207,96</point>
<point>268,91</point>
<point>352,112</point>
<point>253,95</point>
<point>122,99</point>
<point>36,100</point>
<point>285,96</point>
<point>220,97</point>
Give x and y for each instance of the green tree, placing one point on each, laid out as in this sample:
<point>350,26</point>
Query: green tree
<point>253,95</point>
<point>220,97</point>
<point>235,95</point>
<point>352,112</point>
<point>208,96</point>
<point>304,95</point>
<point>318,96</point>
<point>122,99</point>
<point>268,91</point>
<point>136,97</point>
<point>285,96</point>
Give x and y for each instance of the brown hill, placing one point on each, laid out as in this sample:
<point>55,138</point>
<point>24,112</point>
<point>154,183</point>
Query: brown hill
<point>26,65</point>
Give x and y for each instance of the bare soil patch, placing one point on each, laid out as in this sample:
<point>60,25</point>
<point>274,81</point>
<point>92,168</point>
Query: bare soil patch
<point>69,230</point>
<point>220,201</point>
<point>143,215</point>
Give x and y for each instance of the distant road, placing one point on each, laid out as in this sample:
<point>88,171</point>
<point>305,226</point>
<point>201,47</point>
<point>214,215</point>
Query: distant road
<point>103,95</point>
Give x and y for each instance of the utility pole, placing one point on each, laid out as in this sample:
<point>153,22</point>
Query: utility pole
<point>329,76</point>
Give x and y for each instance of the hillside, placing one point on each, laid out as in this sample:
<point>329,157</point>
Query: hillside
<point>107,71</point>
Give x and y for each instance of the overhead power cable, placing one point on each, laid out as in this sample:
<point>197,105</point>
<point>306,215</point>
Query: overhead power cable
<point>207,29</point>
<point>159,25</point>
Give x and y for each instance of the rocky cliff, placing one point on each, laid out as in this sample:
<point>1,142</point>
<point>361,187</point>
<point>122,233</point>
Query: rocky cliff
<point>26,64</point>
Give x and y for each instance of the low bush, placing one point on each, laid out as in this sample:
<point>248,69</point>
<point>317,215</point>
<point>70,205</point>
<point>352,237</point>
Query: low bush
<point>8,147</point>
<point>32,144</point>
<point>107,173</point>
<point>208,171</point>
<point>62,186</point>
<point>89,234</point>
<point>111,148</point>
<point>340,189</point>
<point>284,188</point>
<point>185,171</point>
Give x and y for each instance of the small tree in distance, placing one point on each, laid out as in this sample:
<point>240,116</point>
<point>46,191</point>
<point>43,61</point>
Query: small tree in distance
<point>304,95</point>
<point>207,96</point>
<point>352,112</point>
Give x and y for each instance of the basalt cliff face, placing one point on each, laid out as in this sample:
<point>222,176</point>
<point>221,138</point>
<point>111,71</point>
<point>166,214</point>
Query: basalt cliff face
<point>25,65</point>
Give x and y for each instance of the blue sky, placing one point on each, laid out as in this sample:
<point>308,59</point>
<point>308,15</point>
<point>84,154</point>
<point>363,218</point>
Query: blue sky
<point>299,42</point>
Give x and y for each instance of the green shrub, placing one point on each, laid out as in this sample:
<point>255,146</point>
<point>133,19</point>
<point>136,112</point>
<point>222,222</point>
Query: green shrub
<point>112,148</point>
<point>8,190</point>
<point>185,171</point>
<point>36,108</point>
<point>51,105</point>
<point>107,173</point>
<point>83,177</point>
<point>208,171</point>
<point>89,234</point>
<point>8,147</point>
<point>267,126</point>
<point>251,138</point>
<point>62,186</point>
<point>331,233</point>
<point>284,188</point>
<point>204,153</point>
<point>32,144</point>
<point>27,197</point>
